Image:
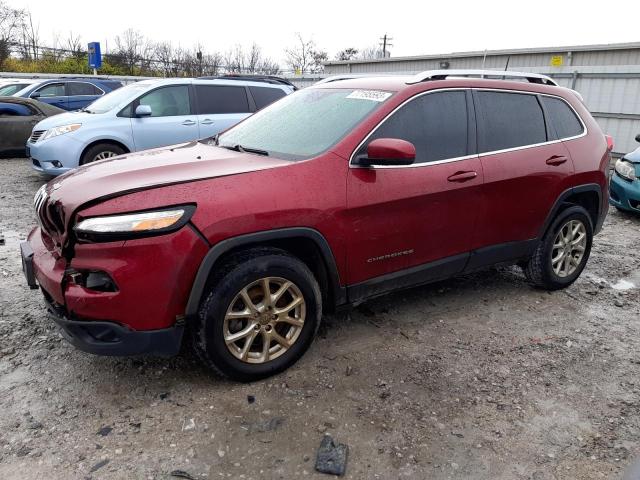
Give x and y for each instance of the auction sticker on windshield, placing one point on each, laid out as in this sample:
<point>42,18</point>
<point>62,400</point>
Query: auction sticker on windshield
<point>373,95</point>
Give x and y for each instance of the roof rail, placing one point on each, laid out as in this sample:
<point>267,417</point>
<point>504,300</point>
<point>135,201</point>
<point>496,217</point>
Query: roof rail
<point>351,76</point>
<point>252,78</point>
<point>503,75</point>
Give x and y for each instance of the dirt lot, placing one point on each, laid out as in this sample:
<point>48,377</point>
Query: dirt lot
<point>478,377</point>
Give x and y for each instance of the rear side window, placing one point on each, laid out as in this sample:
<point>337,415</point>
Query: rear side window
<point>168,101</point>
<point>216,99</point>
<point>562,117</point>
<point>435,123</point>
<point>508,120</point>
<point>82,88</point>
<point>52,90</point>
<point>263,96</point>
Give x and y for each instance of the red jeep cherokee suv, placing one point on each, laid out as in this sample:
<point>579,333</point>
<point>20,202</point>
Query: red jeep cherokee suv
<point>337,193</point>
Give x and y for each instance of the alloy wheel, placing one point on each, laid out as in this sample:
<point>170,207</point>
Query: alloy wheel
<point>264,320</point>
<point>568,248</point>
<point>104,155</point>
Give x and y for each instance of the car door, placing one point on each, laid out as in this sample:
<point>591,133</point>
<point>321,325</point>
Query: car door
<point>81,94</point>
<point>220,107</point>
<point>525,168</point>
<point>171,120</point>
<point>16,123</point>
<point>53,94</point>
<point>415,223</point>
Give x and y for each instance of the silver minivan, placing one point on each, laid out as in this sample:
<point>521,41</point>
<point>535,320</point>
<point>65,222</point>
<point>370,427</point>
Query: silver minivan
<point>149,114</point>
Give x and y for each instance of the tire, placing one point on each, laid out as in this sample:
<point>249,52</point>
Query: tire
<point>246,271</point>
<point>106,150</point>
<point>540,269</point>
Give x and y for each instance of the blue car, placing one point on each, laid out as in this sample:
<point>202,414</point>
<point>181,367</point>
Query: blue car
<point>68,93</point>
<point>148,114</point>
<point>624,187</point>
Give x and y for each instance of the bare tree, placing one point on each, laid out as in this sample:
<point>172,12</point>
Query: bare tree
<point>369,53</point>
<point>30,38</point>
<point>349,53</point>
<point>305,57</point>
<point>164,54</point>
<point>211,64</point>
<point>11,21</point>
<point>234,60</point>
<point>73,45</point>
<point>129,49</point>
<point>56,52</point>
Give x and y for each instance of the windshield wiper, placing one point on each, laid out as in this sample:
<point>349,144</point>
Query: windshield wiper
<point>240,148</point>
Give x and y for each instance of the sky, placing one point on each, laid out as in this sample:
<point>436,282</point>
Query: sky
<point>419,27</point>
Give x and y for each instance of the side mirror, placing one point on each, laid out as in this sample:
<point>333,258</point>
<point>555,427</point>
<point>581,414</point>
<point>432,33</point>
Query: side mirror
<point>638,138</point>
<point>35,95</point>
<point>388,151</point>
<point>143,111</point>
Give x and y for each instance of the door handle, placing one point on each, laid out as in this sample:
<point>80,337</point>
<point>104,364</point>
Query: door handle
<point>188,123</point>
<point>462,176</point>
<point>206,121</point>
<point>556,160</point>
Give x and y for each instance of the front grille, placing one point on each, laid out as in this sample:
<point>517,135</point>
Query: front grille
<point>35,136</point>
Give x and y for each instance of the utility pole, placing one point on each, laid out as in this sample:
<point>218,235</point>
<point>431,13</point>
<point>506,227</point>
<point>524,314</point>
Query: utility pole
<point>385,43</point>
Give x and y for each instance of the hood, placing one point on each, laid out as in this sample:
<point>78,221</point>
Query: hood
<point>67,118</point>
<point>143,170</point>
<point>633,156</point>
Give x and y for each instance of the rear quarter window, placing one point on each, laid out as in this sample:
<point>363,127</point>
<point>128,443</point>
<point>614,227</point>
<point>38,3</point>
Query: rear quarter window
<point>562,117</point>
<point>220,99</point>
<point>82,88</point>
<point>264,96</point>
<point>508,120</point>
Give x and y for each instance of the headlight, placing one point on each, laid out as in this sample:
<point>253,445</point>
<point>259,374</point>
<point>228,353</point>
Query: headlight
<point>625,169</point>
<point>61,130</point>
<point>131,225</point>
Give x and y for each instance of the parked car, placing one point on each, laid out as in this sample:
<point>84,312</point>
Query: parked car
<point>148,114</point>
<point>332,195</point>
<point>17,118</point>
<point>9,87</point>
<point>624,187</point>
<point>68,93</point>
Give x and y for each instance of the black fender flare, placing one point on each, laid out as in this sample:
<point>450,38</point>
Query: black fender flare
<point>213,255</point>
<point>589,187</point>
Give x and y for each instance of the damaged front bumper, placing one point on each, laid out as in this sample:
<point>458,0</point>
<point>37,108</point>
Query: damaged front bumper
<point>141,313</point>
<point>112,339</point>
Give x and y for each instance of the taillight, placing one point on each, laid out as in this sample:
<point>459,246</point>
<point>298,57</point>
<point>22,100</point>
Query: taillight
<point>609,142</point>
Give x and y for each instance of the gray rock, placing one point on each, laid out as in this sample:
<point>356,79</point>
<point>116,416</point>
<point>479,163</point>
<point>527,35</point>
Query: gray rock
<point>332,457</point>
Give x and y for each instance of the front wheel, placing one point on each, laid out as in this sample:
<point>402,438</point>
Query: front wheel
<point>261,314</point>
<point>563,252</point>
<point>101,151</point>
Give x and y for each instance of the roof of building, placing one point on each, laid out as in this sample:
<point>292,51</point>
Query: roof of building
<point>481,53</point>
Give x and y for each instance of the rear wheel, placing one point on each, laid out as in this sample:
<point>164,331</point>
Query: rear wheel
<point>260,315</point>
<point>101,151</point>
<point>563,253</point>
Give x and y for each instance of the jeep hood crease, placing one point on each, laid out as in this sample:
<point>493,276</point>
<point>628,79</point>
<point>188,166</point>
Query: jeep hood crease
<point>147,169</point>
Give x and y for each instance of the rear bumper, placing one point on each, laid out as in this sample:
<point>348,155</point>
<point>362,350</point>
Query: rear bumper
<point>624,194</point>
<point>112,339</point>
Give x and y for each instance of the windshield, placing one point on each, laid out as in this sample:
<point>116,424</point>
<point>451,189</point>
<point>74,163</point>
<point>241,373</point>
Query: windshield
<point>11,88</point>
<point>303,124</point>
<point>116,98</point>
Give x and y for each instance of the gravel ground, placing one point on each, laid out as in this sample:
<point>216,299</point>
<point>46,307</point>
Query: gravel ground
<point>479,377</point>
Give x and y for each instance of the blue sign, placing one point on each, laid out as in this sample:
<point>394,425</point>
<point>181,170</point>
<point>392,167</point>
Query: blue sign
<point>95,58</point>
